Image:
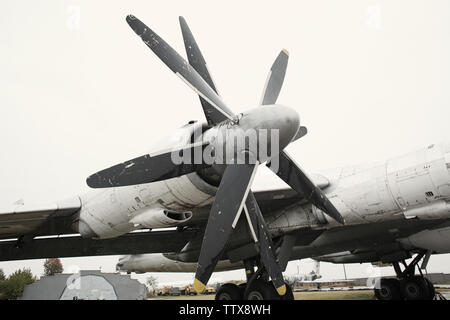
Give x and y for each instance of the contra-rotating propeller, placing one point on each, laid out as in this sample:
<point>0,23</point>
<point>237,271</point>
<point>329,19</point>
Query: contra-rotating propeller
<point>233,195</point>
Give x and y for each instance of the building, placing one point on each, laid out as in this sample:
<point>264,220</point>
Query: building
<point>85,285</point>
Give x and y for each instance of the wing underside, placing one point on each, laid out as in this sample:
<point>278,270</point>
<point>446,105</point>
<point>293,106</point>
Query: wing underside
<point>76,246</point>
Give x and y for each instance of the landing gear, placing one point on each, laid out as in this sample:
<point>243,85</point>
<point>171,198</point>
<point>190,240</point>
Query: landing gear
<point>258,290</point>
<point>258,287</point>
<point>388,289</point>
<point>261,290</point>
<point>432,291</point>
<point>416,288</point>
<point>230,291</point>
<point>407,286</point>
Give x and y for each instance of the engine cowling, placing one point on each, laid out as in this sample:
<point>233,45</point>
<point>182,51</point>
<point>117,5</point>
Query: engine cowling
<point>162,262</point>
<point>116,211</point>
<point>160,218</point>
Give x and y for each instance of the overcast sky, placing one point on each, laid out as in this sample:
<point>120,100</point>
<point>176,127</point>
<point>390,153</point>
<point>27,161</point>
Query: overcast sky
<point>80,91</point>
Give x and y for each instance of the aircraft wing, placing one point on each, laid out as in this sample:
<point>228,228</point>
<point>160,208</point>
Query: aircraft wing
<point>75,246</point>
<point>362,243</point>
<point>48,233</point>
<point>21,220</point>
<point>271,200</point>
<point>370,242</point>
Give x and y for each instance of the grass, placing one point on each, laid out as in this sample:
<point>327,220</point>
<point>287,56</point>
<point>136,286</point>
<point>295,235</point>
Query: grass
<point>335,295</point>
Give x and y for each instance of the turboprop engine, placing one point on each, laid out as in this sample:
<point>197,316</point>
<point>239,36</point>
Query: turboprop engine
<point>251,130</point>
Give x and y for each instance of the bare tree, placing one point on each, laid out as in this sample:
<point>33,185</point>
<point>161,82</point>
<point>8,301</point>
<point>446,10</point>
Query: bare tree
<point>152,282</point>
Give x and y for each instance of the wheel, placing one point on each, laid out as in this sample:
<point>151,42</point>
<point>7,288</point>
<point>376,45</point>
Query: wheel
<point>388,290</point>
<point>260,290</point>
<point>229,291</point>
<point>432,291</point>
<point>415,288</point>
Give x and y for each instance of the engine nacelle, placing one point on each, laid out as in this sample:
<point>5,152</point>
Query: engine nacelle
<point>161,262</point>
<point>160,218</point>
<point>115,211</point>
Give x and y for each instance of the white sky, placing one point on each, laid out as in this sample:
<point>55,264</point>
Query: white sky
<point>370,80</point>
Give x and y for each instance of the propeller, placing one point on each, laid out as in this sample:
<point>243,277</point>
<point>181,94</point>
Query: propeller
<point>264,242</point>
<point>275,79</point>
<point>225,211</point>
<point>234,194</point>
<point>288,170</point>
<point>296,178</point>
<point>197,61</point>
<point>149,168</point>
<point>179,66</point>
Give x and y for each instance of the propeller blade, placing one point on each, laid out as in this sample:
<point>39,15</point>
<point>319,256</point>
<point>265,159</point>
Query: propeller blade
<point>288,170</point>
<point>197,61</point>
<point>302,131</point>
<point>275,79</point>
<point>266,249</point>
<point>178,65</point>
<point>149,168</point>
<point>225,212</point>
<point>294,176</point>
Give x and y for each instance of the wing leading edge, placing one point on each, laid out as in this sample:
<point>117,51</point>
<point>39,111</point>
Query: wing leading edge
<point>25,219</point>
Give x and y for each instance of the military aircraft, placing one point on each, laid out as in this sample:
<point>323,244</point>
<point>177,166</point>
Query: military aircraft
<point>384,212</point>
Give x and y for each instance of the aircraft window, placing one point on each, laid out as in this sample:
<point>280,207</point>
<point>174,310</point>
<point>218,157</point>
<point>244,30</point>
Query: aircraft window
<point>429,194</point>
<point>138,200</point>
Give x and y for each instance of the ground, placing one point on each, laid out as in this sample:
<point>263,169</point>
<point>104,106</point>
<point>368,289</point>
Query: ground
<point>316,295</point>
<point>338,295</point>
